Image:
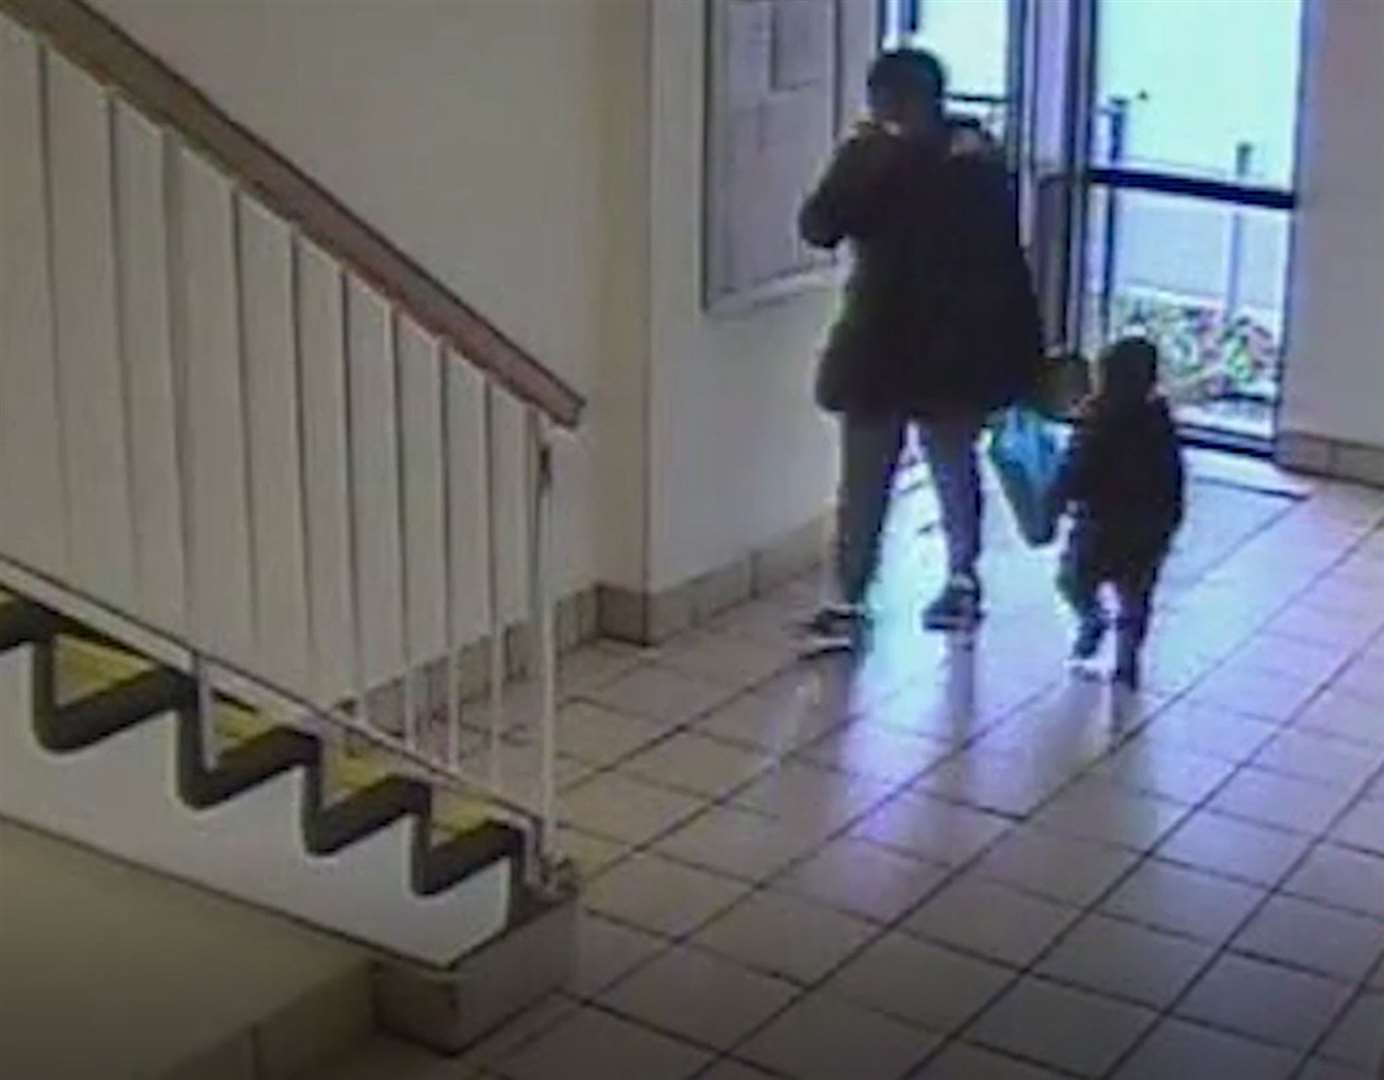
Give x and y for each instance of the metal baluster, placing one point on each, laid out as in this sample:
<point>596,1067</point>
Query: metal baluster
<point>449,561</point>
<point>206,710</point>
<point>184,440</point>
<point>314,646</point>
<point>409,703</point>
<point>542,636</point>
<point>139,591</point>
<point>45,137</point>
<point>352,524</point>
<point>492,584</point>
<point>247,426</point>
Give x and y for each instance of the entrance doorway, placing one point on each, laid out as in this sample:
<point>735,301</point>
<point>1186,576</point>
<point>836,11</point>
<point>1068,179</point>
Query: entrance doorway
<point>1189,198</point>
<point>1154,142</point>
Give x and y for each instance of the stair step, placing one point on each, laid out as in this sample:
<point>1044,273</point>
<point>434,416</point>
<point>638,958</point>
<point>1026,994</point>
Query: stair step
<point>237,724</point>
<point>349,772</point>
<point>455,815</point>
<point>82,668</point>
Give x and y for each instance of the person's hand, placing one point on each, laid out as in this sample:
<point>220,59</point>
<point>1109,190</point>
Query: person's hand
<point>868,127</point>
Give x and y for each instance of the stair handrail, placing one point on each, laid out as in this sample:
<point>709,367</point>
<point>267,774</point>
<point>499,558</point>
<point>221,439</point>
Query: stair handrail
<point>114,58</point>
<point>186,656</point>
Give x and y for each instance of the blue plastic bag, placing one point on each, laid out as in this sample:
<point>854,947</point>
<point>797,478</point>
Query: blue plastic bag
<point>1026,451</point>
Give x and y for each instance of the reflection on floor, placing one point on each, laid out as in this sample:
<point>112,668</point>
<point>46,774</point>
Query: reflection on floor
<point>958,863</point>
<point>1243,418</point>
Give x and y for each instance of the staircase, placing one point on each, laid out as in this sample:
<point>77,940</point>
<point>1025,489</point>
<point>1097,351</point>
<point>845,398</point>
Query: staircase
<point>114,757</point>
<point>274,506</point>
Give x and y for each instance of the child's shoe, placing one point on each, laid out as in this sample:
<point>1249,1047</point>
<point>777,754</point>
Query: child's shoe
<point>1089,637</point>
<point>1127,674</point>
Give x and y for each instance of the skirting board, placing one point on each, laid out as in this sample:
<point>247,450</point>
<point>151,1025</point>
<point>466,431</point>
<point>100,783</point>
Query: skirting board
<point>1335,458</point>
<point>575,624</point>
<point>644,618</point>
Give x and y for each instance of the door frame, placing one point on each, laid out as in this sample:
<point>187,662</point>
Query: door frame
<point>1078,180</point>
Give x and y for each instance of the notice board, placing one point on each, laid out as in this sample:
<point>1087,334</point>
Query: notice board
<point>784,79</point>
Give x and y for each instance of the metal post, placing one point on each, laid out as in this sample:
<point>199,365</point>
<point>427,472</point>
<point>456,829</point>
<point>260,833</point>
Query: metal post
<point>247,442</point>
<point>139,590</point>
<point>183,433</point>
<point>1015,90</point>
<point>409,702</point>
<point>314,643</point>
<point>51,285</point>
<point>1118,111</point>
<point>492,584</point>
<point>541,629</point>
<point>1244,156</point>
<point>206,712</point>
<point>911,18</point>
<point>449,563</point>
<point>353,542</point>
<point>1079,84</point>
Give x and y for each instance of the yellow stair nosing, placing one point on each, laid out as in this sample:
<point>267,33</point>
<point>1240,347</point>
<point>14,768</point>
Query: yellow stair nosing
<point>83,667</point>
<point>239,724</point>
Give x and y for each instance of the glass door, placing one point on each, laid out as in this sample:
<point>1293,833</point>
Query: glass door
<point>1191,121</point>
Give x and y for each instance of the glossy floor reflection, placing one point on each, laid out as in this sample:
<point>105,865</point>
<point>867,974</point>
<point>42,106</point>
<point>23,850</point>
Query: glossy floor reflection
<point>954,861</point>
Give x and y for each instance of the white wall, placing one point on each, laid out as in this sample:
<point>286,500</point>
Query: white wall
<point>1335,363</point>
<point>493,140</point>
<point>544,159</point>
<point>739,453</point>
<point>114,971</point>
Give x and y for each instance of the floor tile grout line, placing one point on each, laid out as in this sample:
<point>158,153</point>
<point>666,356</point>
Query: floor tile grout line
<point>1363,987</point>
<point>1077,776</point>
<point>962,868</point>
<point>726,801</point>
<point>957,872</point>
<point>1119,882</point>
<point>1363,990</point>
<point>1083,913</point>
<point>1277,889</point>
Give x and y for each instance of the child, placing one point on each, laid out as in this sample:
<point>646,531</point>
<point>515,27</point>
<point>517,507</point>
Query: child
<point>1122,478</point>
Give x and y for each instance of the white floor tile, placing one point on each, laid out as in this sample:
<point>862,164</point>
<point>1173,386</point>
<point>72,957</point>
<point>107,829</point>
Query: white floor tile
<point>824,1038</point>
<point>622,808</point>
<point>785,936</point>
<point>864,879</point>
<point>696,764</point>
<point>933,829</point>
<point>700,997</point>
<point>739,843</point>
<point>660,896</point>
<point>595,1043</point>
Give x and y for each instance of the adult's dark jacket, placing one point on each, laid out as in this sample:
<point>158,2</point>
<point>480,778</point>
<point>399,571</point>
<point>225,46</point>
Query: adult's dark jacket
<point>939,314</point>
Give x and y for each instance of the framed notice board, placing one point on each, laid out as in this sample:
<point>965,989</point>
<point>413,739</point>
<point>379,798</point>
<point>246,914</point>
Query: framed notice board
<point>784,78</point>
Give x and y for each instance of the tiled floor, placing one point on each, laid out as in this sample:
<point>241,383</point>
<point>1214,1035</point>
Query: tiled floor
<point>959,862</point>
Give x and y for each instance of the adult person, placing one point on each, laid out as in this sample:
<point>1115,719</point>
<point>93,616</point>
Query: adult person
<point>939,325</point>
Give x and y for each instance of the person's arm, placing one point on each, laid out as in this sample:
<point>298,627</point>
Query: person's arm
<point>839,207</point>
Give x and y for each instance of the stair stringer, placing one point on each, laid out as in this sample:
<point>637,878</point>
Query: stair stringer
<point>121,795</point>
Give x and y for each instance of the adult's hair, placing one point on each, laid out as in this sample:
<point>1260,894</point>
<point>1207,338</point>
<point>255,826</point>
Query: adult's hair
<point>915,76</point>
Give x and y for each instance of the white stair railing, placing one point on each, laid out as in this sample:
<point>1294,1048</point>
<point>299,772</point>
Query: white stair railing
<point>219,431</point>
